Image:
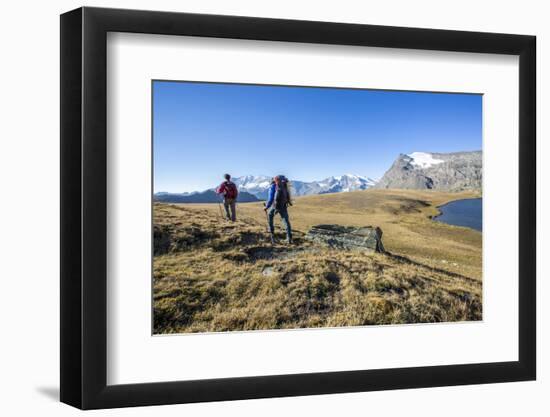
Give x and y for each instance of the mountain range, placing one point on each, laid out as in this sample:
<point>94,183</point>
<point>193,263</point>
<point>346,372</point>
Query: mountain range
<point>418,170</point>
<point>255,188</point>
<point>259,185</point>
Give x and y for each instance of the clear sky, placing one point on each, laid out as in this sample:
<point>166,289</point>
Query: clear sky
<point>202,130</point>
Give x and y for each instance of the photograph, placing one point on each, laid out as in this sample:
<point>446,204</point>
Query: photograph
<point>293,207</point>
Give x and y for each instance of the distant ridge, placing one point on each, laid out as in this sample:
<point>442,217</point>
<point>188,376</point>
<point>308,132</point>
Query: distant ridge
<point>255,188</point>
<point>208,196</point>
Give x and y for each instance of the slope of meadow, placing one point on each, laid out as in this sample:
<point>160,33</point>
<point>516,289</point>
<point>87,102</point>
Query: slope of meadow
<point>213,275</point>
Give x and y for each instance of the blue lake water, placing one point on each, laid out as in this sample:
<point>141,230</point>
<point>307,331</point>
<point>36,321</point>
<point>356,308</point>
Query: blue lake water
<point>467,213</point>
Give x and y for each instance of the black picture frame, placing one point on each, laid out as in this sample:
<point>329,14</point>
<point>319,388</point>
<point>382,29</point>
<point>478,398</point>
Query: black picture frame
<point>84,207</point>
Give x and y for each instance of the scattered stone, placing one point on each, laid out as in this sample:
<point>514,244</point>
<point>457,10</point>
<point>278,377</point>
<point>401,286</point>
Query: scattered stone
<point>268,271</point>
<point>367,239</point>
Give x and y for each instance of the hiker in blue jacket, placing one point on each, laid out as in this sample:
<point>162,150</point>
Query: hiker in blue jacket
<point>278,200</point>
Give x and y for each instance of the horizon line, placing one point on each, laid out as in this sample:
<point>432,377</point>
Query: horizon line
<point>331,176</point>
<point>269,176</point>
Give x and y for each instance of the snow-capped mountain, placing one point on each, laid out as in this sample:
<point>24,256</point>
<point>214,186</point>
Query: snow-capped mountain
<point>439,171</point>
<point>255,187</point>
<point>259,185</point>
<point>346,183</point>
<point>253,184</point>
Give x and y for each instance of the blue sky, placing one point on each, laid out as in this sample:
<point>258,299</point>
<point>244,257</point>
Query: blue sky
<point>202,130</point>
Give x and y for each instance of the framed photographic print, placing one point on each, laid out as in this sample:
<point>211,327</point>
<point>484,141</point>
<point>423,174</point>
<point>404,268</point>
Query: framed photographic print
<point>258,207</point>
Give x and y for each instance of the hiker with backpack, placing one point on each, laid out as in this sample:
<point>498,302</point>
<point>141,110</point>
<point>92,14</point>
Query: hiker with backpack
<point>278,201</point>
<point>229,191</point>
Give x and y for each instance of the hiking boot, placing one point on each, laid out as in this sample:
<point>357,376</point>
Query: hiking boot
<point>289,240</point>
<point>272,239</point>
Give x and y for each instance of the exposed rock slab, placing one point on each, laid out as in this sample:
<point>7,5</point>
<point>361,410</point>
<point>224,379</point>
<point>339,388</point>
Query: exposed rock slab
<point>367,239</point>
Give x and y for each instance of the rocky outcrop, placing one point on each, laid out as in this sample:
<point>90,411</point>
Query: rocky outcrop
<point>367,239</point>
<point>439,171</point>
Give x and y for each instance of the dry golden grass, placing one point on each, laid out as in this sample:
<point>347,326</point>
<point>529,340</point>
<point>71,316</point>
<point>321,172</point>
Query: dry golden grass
<point>403,215</point>
<point>212,275</point>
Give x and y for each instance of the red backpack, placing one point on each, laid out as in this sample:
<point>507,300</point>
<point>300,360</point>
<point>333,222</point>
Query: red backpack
<point>230,190</point>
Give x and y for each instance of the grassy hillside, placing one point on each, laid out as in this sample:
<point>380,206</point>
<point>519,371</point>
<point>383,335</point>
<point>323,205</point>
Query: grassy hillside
<point>213,275</point>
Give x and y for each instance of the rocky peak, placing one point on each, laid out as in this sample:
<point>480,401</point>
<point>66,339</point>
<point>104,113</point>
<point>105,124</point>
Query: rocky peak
<point>442,171</point>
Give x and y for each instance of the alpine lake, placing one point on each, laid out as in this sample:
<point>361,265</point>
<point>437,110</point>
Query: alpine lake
<point>466,213</point>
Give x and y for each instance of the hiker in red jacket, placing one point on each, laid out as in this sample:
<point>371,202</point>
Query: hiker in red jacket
<point>229,191</point>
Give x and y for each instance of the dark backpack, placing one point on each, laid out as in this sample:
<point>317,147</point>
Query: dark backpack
<point>231,191</point>
<point>282,196</point>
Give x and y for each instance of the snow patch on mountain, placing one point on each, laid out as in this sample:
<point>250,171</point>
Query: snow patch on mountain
<point>423,160</point>
<point>453,171</point>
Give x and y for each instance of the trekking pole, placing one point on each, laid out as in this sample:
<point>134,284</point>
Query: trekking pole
<point>267,222</point>
<point>220,207</point>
